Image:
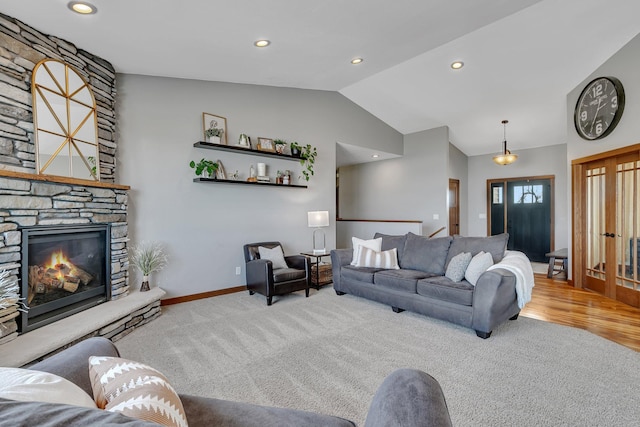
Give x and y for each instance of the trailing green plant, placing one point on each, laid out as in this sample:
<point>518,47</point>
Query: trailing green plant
<point>295,146</point>
<point>204,165</point>
<point>307,160</point>
<point>92,162</point>
<point>148,257</point>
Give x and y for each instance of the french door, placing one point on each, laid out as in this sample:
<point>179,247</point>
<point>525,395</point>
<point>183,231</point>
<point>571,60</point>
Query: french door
<point>606,201</point>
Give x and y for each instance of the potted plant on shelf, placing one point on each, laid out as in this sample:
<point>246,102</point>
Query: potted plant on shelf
<point>307,160</point>
<point>280,144</point>
<point>205,168</point>
<point>296,149</point>
<point>214,134</point>
<point>148,257</point>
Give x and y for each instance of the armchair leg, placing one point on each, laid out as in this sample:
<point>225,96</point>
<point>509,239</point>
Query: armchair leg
<point>269,300</point>
<point>251,292</point>
<point>306,292</point>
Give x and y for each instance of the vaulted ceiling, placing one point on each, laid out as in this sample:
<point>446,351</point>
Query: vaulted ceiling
<point>521,57</point>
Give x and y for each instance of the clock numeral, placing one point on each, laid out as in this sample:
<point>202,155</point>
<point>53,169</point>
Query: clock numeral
<point>583,116</point>
<point>614,102</point>
<point>597,91</point>
<point>598,128</point>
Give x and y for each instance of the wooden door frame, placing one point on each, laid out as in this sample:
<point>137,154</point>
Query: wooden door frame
<point>552,207</point>
<point>457,206</point>
<point>579,210</point>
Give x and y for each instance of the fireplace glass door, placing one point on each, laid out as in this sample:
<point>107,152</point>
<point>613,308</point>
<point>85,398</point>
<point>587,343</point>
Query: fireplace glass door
<point>65,270</point>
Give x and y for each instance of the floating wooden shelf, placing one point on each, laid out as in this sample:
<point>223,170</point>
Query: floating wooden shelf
<point>249,151</point>
<point>231,181</point>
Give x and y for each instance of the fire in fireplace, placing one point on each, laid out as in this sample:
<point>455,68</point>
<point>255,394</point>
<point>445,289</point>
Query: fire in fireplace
<point>65,269</point>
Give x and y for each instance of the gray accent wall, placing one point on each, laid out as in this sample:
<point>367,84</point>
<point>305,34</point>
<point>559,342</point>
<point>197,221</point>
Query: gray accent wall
<point>203,226</point>
<point>459,169</point>
<point>550,160</point>
<point>413,187</point>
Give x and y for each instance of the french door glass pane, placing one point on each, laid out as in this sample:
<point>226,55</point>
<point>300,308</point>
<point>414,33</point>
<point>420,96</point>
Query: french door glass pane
<point>627,224</point>
<point>596,222</point>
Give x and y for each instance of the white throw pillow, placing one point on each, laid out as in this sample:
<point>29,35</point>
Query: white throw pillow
<point>458,266</point>
<point>477,266</point>
<point>275,255</point>
<point>385,259</point>
<point>374,244</point>
<point>34,386</point>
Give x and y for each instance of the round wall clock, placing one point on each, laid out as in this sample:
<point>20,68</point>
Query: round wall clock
<point>599,108</point>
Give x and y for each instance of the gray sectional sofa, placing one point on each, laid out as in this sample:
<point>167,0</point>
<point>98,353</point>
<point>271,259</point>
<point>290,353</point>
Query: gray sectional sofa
<point>420,284</point>
<point>407,397</point>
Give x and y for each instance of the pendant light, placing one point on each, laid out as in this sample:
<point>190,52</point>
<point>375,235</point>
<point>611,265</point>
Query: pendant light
<point>505,158</point>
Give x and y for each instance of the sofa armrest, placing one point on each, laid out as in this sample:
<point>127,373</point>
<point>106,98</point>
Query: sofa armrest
<point>493,299</point>
<point>339,258</point>
<point>73,362</point>
<point>206,412</point>
<point>409,398</point>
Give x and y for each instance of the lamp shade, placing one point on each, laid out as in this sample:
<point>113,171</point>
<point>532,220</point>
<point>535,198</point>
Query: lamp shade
<point>318,218</point>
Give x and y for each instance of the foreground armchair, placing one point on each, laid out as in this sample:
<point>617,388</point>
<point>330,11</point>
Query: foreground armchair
<point>407,397</point>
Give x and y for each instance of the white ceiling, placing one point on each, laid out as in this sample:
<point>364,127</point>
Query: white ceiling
<point>521,57</point>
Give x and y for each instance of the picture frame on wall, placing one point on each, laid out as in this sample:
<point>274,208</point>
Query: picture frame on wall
<point>266,144</point>
<point>214,128</point>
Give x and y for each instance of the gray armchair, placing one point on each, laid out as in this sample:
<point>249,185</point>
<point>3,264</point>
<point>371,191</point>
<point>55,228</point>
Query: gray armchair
<point>265,280</point>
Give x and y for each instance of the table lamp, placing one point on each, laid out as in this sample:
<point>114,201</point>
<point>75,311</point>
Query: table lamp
<point>318,219</point>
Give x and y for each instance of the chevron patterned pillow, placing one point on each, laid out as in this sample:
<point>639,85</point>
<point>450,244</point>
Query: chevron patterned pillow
<point>136,390</point>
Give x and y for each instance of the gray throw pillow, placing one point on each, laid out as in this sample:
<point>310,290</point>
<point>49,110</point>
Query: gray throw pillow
<point>457,266</point>
<point>496,245</point>
<point>275,255</point>
<point>424,254</point>
<point>477,266</point>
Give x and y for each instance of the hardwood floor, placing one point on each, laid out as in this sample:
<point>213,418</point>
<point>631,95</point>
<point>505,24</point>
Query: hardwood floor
<point>555,301</point>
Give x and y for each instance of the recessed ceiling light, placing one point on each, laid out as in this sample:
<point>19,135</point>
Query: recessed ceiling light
<point>375,156</point>
<point>457,65</point>
<point>82,8</point>
<point>356,61</point>
<point>262,43</point>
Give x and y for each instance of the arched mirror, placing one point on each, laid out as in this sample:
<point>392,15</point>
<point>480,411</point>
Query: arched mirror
<point>65,120</point>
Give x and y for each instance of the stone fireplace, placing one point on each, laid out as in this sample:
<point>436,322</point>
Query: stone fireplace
<point>65,270</point>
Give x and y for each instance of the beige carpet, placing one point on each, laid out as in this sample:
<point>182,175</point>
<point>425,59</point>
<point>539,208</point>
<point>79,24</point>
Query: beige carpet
<point>329,354</point>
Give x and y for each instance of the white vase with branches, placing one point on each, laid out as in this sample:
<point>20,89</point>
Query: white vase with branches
<point>148,257</point>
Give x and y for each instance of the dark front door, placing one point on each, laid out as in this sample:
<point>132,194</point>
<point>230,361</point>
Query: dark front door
<point>522,208</point>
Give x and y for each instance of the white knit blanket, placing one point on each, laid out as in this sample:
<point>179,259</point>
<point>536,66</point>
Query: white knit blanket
<point>518,263</point>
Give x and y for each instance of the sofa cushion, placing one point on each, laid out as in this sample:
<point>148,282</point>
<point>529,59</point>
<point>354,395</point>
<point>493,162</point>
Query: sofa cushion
<point>424,254</point>
<point>375,244</point>
<point>275,255</point>
<point>477,266</point>
<point>392,241</point>
<point>496,245</point>
<point>402,280</point>
<point>385,259</point>
<point>136,390</point>
<point>287,274</point>
<point>361,274</point>
<point>35,386</point>
<point>46,414</point>
<point>445,289</point>
<point>457,266</point>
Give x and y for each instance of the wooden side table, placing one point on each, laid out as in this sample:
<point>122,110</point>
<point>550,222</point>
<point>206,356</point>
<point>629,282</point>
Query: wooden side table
<point>557,261</point>
<point>321,271</point>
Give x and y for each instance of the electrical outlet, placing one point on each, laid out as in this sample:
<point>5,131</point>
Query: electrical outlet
<point>436,216</point>
<point>238,271</point>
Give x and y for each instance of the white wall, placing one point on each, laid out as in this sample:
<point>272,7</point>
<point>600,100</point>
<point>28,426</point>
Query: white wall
<point>550,160</point>
<point>459,169</point>
<point>413,187</point>
<point>204,226</point>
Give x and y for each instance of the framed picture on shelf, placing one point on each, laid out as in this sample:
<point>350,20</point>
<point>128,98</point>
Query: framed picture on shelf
<point>266,144</point>
<point>220,173</point>
<point>214,128</point>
